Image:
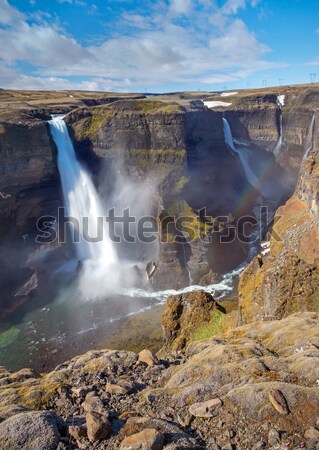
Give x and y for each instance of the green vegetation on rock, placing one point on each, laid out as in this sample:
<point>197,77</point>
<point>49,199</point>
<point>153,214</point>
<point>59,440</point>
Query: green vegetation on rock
<point>9,336</point>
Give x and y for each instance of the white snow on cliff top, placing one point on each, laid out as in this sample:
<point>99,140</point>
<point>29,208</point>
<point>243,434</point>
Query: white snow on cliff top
<point>215,104</point>
<point>227,94</point>
<point>281,100</point>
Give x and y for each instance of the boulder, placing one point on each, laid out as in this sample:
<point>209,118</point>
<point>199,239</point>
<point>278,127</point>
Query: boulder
<point>148,439</point>
<point>93,403</point>
<point>278,401</point>
<point>206,409</point>
<point>184,313</point>
<point>98,426</point>
<point>312,434</point>
<point>30,431</point>
<point>147,357</point>
<point>116,389</point>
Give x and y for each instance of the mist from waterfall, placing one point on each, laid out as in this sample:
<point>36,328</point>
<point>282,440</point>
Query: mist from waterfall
<point>82,202</point>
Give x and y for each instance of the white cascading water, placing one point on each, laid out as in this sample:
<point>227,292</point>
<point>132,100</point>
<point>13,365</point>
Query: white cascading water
<point>309,141</point>
<point>279,143</point>
<point>242,154</point>
<point>82,201</point>
<point>251,178</point>
<point>280,102</point>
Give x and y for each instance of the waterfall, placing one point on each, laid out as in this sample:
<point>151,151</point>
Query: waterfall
<point>280,102</point>
<point>242,154</point>
<point>309,141</point>
<point>82,202</point>
<point>279,143</point>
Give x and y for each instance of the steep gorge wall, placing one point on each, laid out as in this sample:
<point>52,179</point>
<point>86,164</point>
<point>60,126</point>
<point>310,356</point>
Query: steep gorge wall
<point>181,151</point>
<point>286,279</point>
<point>29,182</point>
<point>257,118</point>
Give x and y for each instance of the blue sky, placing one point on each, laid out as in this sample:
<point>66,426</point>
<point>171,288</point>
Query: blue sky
<point>157,46</point>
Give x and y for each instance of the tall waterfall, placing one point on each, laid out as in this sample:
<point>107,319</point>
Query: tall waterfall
<point>81,201</point>
<point>280,102</point>
<point>242,154</point>
<point>279,143</point>
<point>309,141</point>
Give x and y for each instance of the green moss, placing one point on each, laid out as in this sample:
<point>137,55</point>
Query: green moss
<point>88,127</point>
<point>212,328</point>
<point>159,155</point>
<point>220,321</point>
<point>9,336</point>
<point>154,107</point>
<point>180,184</point>
<point>37,397</point>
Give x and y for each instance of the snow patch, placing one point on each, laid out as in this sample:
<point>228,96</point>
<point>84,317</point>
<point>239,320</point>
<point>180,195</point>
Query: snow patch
<point>215,104</point>
<point>281,100</point>
<point>227,94</point>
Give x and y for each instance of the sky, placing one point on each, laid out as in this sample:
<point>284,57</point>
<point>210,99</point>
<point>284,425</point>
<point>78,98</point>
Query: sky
<point>157,45</point>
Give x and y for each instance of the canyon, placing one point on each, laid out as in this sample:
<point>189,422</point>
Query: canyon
<point>235,370</point>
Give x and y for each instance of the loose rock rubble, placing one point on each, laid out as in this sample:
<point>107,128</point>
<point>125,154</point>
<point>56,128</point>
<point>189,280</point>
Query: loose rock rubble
<point>255,387</point>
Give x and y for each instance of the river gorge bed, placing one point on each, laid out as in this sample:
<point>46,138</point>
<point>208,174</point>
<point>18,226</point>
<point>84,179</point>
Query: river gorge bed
<point>52,327</point>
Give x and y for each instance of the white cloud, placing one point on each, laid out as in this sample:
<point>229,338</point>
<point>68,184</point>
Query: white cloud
<point>233,6</point>
<point>212,46</point>
<point>8,14</point>
<point>180,7</point>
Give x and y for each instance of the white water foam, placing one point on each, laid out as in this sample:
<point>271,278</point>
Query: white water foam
<point>225,285</point>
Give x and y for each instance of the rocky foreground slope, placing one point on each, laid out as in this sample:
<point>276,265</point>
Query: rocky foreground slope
<point>254,387</point>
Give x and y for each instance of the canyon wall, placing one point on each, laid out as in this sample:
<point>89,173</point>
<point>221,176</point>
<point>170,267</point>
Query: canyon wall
<point>181,151</point>
<point>286,279</point>
<point>178,147</point>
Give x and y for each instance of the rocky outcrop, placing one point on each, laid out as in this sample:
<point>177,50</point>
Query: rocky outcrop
<point>184,314</point>
<point>285,279</point>
<point>252,387</point>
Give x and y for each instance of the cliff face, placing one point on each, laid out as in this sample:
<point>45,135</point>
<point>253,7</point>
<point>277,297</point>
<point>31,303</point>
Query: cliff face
<point>286,279</point>
<point>261,119</point>
<point>29,176</point>
<point>181,151</point>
